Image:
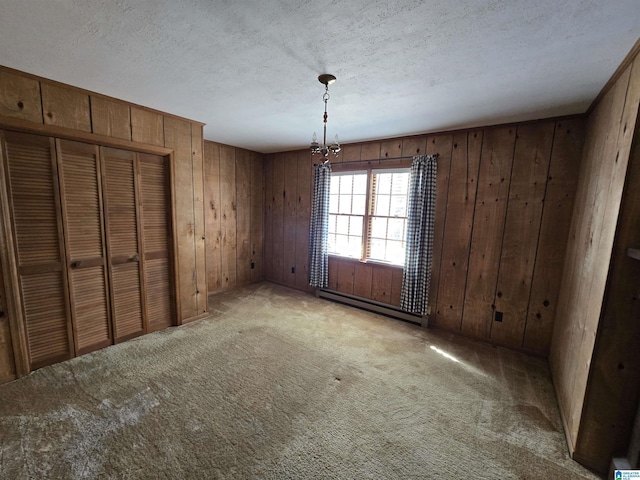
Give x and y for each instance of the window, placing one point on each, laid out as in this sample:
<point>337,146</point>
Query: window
<point>368,214</point>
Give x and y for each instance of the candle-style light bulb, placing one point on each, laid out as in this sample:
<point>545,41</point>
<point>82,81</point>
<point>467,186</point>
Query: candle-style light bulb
<point>335,139</point>
<point>314,139</point>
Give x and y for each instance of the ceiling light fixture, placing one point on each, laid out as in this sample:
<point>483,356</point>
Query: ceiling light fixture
<point>326,79</point>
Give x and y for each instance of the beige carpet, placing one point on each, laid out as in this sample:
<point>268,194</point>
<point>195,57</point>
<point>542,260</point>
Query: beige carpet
<point>279,384</point>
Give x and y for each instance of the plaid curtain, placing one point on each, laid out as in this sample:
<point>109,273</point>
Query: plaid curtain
<point>319,230</point>
<point>420,222</point>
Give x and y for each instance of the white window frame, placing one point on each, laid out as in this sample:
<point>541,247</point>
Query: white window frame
<point>369,214</point>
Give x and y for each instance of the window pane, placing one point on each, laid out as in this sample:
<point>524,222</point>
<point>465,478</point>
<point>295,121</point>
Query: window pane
<point>343,225</point>
<point>382,205</point>
<point>342,244</point>
<point>355,244</point>
<point>378,227</point>
<point>334,188</point>
<point>333,203</point>
<point>377,249</point>
<point>332,243</point>
<point>359,202</point>
<point>400,183</point>
<point>332,224</point>
<point>346,182</point>
<point>398,206</point>
<point>360,184</point>
<point>396,229</point>
<point>383,182</point>
<point>356,226</point>
<point>395,252</point>
<point>345,204</point>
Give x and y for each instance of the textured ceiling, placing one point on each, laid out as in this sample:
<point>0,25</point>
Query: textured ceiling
<point>248,69</point>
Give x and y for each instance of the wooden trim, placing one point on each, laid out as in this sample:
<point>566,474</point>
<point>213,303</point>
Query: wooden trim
<point>90,93</point>
<point>106,254</point>
<point>142,276</point>
<point>10,273</point>
<point>19,125</point>
<point>57,181</point>
<point>33,269</point>
<point>626,62</point>
<point>173,247</point>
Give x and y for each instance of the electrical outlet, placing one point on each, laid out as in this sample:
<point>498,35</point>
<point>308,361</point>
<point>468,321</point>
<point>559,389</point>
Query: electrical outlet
<point>253,265</point>
<point>498,316</point>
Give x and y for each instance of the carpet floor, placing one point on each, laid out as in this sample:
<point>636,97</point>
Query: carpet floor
<point>279,384</point>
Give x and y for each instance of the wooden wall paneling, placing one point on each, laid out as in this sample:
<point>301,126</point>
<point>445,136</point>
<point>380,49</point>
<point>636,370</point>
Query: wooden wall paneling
<point>159,278</point>
<point>488,226</point>
<point>613,389</point>
<point>177,135</point>
<point>362,280</point>
<point>124,248</point>
<point>554,231</point>
<point>257,217</point>
<point>82,199</point>
<point>38,303</point>
<point>148,127</point>
<point>370,151</point>
<point>443,146</point>
<point>229,215</point>
<point>7,363</point>
<point>381,279</point>
<point>611,393</point>
<point>198,217</point>
<point>303,218</point>
<point>243,228</point>
<point>391,148</point>
<point>333,273</point>
<point>213,229</point>
<point>521,231</point>
<point>346,272</point>
<point>290,200</point>
<point>576,322</point>
<point>461,200</point>
<point>413,146</point>
<point>351,153</point>
<point>268,217</point>
<point>278,214</point>
<point>110,117</point>
<point>65,107</point>
<point>20,97</point>
<point>396,286</point>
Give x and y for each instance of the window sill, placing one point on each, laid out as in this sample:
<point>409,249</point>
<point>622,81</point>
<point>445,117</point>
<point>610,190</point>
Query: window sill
<point>373,263</point>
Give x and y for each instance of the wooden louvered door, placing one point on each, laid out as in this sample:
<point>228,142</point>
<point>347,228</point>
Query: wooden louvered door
<point>156,228</point>
<point>30,161</point>
<point>119,169</point>
<point>81,198</point>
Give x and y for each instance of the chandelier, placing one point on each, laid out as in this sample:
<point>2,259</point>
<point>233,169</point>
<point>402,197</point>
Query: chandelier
<point>326,79</point>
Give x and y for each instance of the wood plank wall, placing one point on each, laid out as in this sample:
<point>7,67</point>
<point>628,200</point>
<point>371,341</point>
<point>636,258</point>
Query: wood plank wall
<point>504,198</point>
<point>234,201</point>
<point>588,358</point>
<point>42,102</point>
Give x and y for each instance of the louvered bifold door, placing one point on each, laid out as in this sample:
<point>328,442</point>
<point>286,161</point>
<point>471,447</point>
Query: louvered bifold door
<point>123,242</point>
<point>81,194</point>
<point>35,211</point>
<point>156,234</point>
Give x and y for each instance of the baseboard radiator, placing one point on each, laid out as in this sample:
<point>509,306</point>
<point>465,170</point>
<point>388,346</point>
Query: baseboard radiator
<point>371,305</point>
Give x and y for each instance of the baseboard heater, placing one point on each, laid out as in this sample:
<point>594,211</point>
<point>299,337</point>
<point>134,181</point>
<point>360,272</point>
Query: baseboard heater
<point>371,305</point>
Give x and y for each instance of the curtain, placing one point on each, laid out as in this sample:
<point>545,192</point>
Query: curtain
<point>419,244</point>
<point>319,229</point>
